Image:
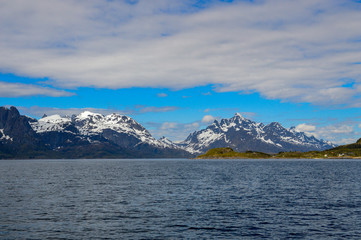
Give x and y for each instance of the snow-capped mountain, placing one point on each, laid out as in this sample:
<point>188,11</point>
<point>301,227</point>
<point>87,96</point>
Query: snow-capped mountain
<point>242,134</point>
<point>85,135</point>
<point>87,124</point>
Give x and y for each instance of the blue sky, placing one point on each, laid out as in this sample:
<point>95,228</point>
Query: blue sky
<point>175,66</point>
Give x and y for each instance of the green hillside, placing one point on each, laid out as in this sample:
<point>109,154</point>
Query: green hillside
<point>229,153</point>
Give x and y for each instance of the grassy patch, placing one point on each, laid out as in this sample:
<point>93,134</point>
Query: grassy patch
<point>345,151</point>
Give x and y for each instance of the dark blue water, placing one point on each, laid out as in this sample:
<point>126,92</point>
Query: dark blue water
<point>171,199</point>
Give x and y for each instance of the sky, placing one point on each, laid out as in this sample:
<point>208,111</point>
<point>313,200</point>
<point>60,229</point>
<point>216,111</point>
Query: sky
<point>176,66</point>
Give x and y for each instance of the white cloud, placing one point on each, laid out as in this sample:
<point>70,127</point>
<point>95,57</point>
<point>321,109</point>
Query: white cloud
<point>23,90</point>
<point>339,133</point>
<point>342,129</point>
<point>305,128</point>
<point>359,125</point>
<point>162,95</point>
<point>208,119</point>
<point>153,109</point>
<point>300,51</point>
<point>346,141</point>
<point>335,133</point>
<point>168,125</point>
<point>192,125</point>
<point>174,131</point>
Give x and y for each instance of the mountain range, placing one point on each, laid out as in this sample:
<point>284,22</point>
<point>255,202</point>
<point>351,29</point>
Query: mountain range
<point>93,135</point>
<point>242,134</point>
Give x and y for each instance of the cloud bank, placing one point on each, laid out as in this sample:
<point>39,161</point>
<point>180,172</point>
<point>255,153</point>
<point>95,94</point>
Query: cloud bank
<point>175,131</point>
<point>38,111</point>
<point>299,51</point>
<point>208,119</point>
<point>24,90</point>
<point>337,133</point>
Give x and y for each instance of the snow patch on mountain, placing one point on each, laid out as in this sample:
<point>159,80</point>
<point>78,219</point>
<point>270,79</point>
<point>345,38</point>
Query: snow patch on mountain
<point>3,136</point>
<point>50,123</point>
<point>87,114</point>
<point>269,141</point>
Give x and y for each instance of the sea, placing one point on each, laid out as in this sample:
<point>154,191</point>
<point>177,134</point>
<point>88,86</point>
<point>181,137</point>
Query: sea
<point>180,199</point>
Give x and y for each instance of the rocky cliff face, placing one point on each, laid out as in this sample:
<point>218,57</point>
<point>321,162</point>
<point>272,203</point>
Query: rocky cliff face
<point>16,135</point>
<point>14,125</point>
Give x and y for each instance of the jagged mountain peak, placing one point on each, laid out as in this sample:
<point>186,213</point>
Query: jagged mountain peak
<point>239,119</point>
<point>117,115</point>
<point>275,124</point>
<point>166,140</point>
<point>239,116</point>
<point>238,122</point>
<point>244,134</point>
<point>236,119</point>
<point>118,118</point>
<point>293,129</point>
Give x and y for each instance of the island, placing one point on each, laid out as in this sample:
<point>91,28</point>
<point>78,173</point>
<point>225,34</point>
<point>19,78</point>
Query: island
<point>349,151</point>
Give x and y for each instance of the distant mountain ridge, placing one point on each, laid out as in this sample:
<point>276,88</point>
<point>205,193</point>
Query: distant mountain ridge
<point>93,135</point>
<point>243,134</point>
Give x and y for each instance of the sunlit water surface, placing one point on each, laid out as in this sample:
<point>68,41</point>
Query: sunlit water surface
<point>171,199</point>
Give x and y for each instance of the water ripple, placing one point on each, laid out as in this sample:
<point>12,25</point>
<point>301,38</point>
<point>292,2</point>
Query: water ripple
<point>172,199</point>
